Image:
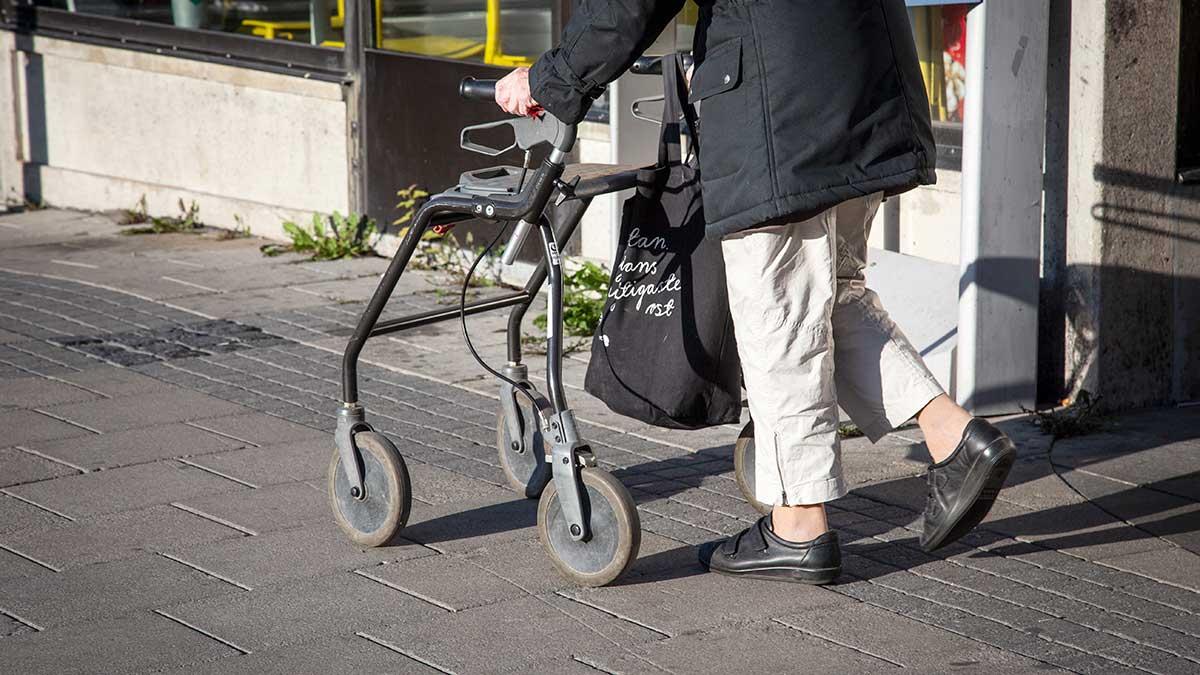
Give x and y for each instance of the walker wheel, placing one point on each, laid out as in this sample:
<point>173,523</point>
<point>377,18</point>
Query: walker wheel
<point>616,531</point>
<point>376,518</point>
<point>743,467</point>
<point>526,471</point>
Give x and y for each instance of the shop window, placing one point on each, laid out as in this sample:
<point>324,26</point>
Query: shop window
<point>318,22</point>
<point>507,33</point>
<point>1188,126</point>
<point>940,33</point>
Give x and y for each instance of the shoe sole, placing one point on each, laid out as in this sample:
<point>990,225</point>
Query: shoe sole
<point>983,488</point>
<point>817,577</point>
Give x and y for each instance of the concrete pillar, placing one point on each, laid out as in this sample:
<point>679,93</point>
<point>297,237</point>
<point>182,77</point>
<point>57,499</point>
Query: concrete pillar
<point>1133,260</point>
<point>12,190</point>
<point>1003,144</point>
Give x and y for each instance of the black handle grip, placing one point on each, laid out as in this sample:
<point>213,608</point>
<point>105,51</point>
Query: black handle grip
<point>477,90</point>
<point>652,65</point>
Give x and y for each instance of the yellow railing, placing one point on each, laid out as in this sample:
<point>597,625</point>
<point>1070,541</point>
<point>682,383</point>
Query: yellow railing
<point>445,46</point>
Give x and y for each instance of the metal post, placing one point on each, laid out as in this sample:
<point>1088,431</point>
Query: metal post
<point>357,39</point>
<point>1003,144</point>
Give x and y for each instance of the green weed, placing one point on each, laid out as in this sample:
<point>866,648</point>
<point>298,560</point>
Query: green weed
<point>329,237</point>
<point>187,222</point>
<point>584,293</point>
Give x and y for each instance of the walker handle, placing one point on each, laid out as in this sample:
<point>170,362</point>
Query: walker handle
<point>477,90</point>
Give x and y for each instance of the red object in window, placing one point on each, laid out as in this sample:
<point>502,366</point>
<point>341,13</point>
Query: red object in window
<point>954,42</point>
<point>954,32</point>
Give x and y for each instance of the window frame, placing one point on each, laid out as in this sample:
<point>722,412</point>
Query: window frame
<point>213,46</point>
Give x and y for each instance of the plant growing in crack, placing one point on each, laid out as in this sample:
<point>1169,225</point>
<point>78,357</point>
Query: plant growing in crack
<point>1080,417</point>
<point>329,237</point>
<point>187,222</point>
<point>584,293</point>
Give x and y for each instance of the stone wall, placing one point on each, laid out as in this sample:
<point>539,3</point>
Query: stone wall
<point>97,128</point>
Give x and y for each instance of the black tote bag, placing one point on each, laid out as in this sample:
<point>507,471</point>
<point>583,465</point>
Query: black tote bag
<point>664,352</point>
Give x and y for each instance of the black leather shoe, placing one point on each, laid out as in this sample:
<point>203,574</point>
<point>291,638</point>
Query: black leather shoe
<point>759,553</point>
<point>963,487</point>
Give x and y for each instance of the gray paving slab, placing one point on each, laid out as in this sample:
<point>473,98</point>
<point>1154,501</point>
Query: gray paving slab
<point>484,522</point>
<point>136,446</point>
<point>260,429</point>
<point>139,642</point>
<point>294,613</point>
<point>124,489</point>
<point>255,561</point>
<point>776,648</point>
<point>693,600</point>
<point>144,410</point>
<point>116,536</point>
<point>18,427</point>
<point>18,515</point>
<point>564,628</point>
<point>287,462</point>
<point>21,466</point>
<point>107,591</point>
<point>116,382</point>
<point>1175,566</point>
<point>326,655</point>
<point>11,627</point>
<point>13,567</point>
<point>896,638</point>
<point>462,581</point>
<point>27,393</point>
<point>436,485</point>
<point>266,509</point>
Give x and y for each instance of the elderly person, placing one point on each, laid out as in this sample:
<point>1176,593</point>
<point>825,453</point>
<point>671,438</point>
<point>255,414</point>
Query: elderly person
<point>810,114</point>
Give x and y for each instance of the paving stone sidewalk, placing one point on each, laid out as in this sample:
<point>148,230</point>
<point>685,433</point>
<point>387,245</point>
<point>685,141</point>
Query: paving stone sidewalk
<point>166,408</point>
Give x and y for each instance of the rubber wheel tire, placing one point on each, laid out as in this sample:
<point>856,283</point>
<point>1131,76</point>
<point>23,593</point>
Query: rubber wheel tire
<point>378,518</point>
<point>527,472</point>
<point>743,467</point>
<point>616,531</point>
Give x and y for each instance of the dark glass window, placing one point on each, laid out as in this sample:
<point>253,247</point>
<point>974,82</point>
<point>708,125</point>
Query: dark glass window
<point>318,22</point>
<point>507,33</point>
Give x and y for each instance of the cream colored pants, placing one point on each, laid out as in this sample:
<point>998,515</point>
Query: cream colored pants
<point>812,336</point>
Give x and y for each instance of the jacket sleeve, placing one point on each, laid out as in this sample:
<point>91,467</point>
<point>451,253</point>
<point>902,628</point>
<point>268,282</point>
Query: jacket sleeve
<point>600,42</point>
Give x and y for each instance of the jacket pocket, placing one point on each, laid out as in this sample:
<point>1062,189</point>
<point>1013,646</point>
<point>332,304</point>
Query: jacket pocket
<point>720,71</point>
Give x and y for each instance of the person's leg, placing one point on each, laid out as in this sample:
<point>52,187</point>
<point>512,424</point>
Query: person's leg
<point>781,289</point>
<point>882,382</point>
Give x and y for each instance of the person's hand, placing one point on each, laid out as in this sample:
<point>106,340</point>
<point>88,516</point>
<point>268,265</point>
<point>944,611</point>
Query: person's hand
<point>512,93</point>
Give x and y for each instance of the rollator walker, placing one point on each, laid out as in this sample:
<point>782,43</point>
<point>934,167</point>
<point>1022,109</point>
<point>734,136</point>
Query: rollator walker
<point>586,519</point>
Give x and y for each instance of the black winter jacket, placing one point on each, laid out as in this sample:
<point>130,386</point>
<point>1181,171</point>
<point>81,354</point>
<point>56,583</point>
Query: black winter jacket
<point>803,103</point>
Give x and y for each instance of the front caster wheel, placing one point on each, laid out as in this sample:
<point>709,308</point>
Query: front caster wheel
<point>616,531</point>
<point>743,467</point>
<point>383,511</point>
<point>524,464</point>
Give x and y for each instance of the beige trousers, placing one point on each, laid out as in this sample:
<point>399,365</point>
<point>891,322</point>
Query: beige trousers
<point>812,336</point>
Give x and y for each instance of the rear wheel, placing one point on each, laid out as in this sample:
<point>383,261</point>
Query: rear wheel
<point>524,461</point>
<point>743,467</point>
